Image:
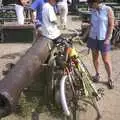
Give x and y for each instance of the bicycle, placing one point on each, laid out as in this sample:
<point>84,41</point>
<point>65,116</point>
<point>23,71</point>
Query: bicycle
<point>71,83</point>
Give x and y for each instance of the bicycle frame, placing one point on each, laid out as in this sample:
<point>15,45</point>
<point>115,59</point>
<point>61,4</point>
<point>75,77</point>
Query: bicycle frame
<point>73,56</point>
<point>69,65</point>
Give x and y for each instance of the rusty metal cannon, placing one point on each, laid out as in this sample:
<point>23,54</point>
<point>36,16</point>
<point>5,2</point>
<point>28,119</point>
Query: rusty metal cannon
<point>22,75</point>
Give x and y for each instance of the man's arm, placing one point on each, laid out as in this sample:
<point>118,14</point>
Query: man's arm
<point>35,4</point>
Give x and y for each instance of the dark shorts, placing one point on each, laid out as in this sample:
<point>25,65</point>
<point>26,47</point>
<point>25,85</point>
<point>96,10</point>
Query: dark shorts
<point>98,45</point>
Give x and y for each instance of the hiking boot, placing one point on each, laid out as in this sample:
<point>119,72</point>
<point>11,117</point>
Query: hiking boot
<point>110,84</point>
<point>96,78</point>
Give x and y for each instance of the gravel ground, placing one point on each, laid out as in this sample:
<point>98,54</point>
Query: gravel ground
<point>109,105</point>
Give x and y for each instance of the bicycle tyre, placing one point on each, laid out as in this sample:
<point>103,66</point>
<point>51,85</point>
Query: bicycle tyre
<point>67,97</point>
<point>63,96</point>
<point>49,88</point>
<point>50,80</point>
<point>92,98</point>
<point>52,86</point>
<point>73,112</point>
<point>88,109</point>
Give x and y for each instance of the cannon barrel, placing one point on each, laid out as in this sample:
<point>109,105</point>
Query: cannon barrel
<point>22,75</point>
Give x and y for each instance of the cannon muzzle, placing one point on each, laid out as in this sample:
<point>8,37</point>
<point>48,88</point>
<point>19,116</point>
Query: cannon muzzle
<point>22,75</point>
<point>5,107</point>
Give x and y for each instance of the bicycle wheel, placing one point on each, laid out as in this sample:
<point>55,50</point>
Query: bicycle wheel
<point>49,88</point>
<point>91,94</point>
<point>87,109</point>
<point>67,98</point>
<point>52,86</point>
<point>84,110</point>
<point>51,76</point>
<point>76,108</point>
<point>74,105</point>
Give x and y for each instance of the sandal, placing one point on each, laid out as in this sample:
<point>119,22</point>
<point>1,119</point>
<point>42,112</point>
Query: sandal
<point>110,84</point>
<point>96,78</point>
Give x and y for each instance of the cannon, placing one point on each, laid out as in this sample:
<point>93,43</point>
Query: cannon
<point>22,75</point>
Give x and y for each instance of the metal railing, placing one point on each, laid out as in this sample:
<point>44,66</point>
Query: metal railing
<point>8,14</point>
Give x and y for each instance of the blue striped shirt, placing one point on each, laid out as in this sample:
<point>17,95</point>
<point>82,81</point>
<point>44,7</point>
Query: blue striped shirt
<point>99,23</point>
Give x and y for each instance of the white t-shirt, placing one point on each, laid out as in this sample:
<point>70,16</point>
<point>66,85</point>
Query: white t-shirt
<point>49,29</point>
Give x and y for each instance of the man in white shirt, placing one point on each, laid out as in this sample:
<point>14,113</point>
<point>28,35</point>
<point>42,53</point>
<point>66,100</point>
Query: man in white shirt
<point>49,27</point>
<point>63,11</point>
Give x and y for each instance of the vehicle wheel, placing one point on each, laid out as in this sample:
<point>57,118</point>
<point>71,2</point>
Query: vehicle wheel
<point>49,88</point>
<point>87,110</point>
<point>67,99</point>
